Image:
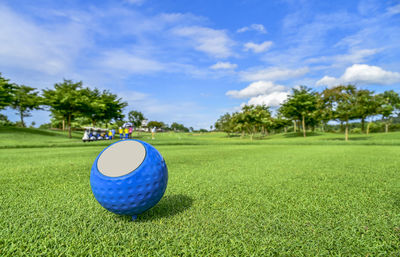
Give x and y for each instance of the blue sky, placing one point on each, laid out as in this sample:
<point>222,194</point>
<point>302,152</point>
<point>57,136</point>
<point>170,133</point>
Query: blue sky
<point>192,61</point>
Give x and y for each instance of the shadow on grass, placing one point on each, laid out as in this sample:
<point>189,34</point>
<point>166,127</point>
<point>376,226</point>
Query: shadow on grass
<point>169,206</point>
<point>300,134</point>
<point>28,131</point>
<point>350,138</point>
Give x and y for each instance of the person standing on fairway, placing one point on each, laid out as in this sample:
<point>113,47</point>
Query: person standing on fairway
<point>130,132</point>
<point>153,132</point>
<point>121,135</point>
<point>126,131</point>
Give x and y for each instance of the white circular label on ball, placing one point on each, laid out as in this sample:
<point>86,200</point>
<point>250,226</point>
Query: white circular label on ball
<point>121,158</point>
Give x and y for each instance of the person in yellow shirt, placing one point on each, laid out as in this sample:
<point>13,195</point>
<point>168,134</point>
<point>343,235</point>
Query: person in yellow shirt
<point>126,131</point>
<point>110,134</point>
<point>120,131</point>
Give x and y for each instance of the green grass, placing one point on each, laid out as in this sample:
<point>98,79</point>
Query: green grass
<point>283,195</point>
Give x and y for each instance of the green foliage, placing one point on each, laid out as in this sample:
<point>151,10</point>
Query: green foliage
<point>343,100</point>
<point>225,124</point>
<point>390,103</point>
<point>389,106</point>
<point>301,105</point>
<point>4,122</point>
<point>251,119</point>
<point>367,104</point>
<point>6,92</point>
<point>102,106</point>
<point>156,124</point>
<point>178,127</point>
<point>136,118</point>
<point>25,99</point>
<point>67,100</point>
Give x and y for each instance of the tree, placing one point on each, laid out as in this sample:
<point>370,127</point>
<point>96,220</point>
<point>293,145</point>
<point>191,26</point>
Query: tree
<point>6,92</point>
<point>136,118</point>
<point>263,119</point>
<point>279,123</point>
<point>225,124</point>
<point>238,123</point>
<point>66,100</point>
<point>25,100</point>
<point>156,124</point>
<point>300,105</point>
<point>343,100</point>
<point>102,106</point>
<point>249,120</point>
<point>366,105</point>
<point>4,121</point>
<point>252,119</point>
<point>389,105</point>
<point>114,107</point>
<point>94,108</point>
<point>179,127</point>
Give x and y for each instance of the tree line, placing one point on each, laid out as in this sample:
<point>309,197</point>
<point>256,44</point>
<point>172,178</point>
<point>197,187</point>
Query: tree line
<point>72,105</point>
<point>66,101</point>
<point>305,108</point>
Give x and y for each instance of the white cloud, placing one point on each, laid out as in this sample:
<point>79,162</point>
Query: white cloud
<point>394,9</point>
<point>328,81</point>
<point>273,99</point>
<point>256,27</point>
<point>272,74</point>
<point>128,62</point>
<point>354,56</point>
<point>261,93</point>
<point>49,49</point>
<point>258,48</point>
<point>256,89</point>
<point>137,2</point>
<point>133,96</point>
<point>213,42</point>
<point>223,65</point>
<point>362,74</point>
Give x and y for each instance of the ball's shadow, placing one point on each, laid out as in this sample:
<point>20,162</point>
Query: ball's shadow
<point>169,206</point>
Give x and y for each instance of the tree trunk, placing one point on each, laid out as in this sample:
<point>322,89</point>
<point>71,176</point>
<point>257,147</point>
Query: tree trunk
<point>386,127</point>
<point>362,125</point>
<point>303,123</point>
<point>369,124</point>
<point>63,124</point>
<point>346,133</point>
<point>69,126</point>
<point>242,136</point>
<point>21,114</point>
<point>285,129</point>
<point>294,126</point>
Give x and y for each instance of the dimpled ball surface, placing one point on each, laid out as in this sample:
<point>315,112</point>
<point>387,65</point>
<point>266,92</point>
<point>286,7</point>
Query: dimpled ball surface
<point>135,192</point>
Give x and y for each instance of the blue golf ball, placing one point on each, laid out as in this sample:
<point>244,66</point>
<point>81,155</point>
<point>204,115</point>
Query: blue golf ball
<point>129,177</point>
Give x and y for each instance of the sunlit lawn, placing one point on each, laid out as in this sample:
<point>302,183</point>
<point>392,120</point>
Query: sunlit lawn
<point>282,195</point>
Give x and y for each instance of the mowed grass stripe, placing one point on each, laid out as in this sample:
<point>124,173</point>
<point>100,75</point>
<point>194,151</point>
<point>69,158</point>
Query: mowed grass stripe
<point>221,200</point>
